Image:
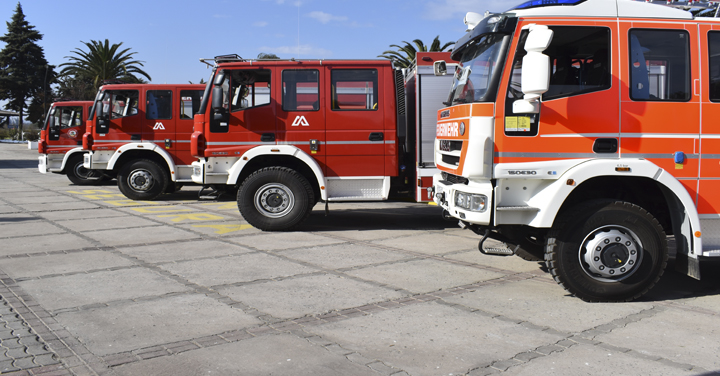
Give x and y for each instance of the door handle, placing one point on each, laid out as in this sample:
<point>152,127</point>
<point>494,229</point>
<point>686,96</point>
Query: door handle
<point>605,146</point>
<point>267,137</point>
<point>376,136</point>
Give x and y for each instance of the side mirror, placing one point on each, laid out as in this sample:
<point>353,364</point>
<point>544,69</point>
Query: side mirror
<point>440,68</point>
<point>51,122</point>
<point>217,98</point>
<point>536,70</point>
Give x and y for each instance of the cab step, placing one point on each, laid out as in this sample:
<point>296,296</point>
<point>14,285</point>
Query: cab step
<point>209,193</point>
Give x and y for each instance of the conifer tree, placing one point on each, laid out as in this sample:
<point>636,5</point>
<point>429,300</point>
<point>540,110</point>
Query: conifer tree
<point>24,72</point>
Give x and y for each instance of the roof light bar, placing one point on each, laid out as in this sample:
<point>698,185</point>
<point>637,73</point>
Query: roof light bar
<point>544,3</point>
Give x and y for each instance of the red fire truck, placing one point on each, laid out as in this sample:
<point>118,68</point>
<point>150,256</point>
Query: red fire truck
<point>583,133</point>
<point>60,143</point>
<point>141,134</point>
<point>290,133</point>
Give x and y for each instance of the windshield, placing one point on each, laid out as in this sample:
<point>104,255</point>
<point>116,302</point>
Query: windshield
<point>474,73</point>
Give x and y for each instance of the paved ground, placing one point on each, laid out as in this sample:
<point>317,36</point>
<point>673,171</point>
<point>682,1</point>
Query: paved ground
<point>95,284</point>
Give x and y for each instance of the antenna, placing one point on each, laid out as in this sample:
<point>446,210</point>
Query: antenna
<point>298,49</point>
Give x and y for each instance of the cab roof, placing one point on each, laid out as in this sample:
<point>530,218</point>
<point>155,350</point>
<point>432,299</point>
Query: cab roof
<point>598,8</point>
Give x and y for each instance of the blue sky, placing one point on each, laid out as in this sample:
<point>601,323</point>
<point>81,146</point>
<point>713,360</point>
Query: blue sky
<point>170,36</point>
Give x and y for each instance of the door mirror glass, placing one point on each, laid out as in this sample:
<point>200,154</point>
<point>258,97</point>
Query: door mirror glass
<point>217,98</point>
<point>440,68</point>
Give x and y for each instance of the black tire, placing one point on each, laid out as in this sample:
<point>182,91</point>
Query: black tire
<point>142,180</point>
<point>275,199</point>
<point>627,251</point>
<point>80,175</point>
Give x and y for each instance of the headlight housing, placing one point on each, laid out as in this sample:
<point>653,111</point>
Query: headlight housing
<point>471,202</point>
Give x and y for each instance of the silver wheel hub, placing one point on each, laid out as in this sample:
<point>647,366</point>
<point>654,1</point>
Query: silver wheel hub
<point>140,180</point>
<point>610,253</point>
<point>274,200</point>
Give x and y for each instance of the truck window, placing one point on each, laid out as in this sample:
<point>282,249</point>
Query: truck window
<point>190,103</point>
<point>121,103</point>
<point>300,90</point>
<point>714,64</point>
<point>68,116</point>
<point>354,89</point>
<point>159,104</point>
<point>659,65</point>
<point>249,88</point>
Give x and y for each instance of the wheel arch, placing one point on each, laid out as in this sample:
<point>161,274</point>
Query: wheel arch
<point>70,154</point>
<point>134,151</point>
<point>644,184</point>
<point>279,155</point>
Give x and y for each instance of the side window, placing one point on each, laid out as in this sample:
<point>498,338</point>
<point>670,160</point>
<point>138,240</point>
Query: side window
<point>159,104</point>
<point>579,64</point>
<point>714,49</point>
<point>354,89</point>
<point>249,88</point>
<point>68,116</point>
<point>121,103</point>
<point>190,103</point>
<point>659,65</point>
<point>579,61</point>
<point>300,90</point>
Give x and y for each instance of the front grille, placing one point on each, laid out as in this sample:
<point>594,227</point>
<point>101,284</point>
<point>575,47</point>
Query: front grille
<point>449,145</point>
<point>451,160</point>
<point>454,178</point>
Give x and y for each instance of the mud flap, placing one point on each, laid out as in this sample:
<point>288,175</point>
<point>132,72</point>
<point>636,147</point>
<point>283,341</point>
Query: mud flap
<point>687,265</point>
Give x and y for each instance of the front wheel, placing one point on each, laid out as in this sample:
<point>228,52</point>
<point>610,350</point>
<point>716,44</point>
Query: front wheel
<point>79,175</point>
<point>607,251</point>
<point>275,198</point>
<point>142,180</point>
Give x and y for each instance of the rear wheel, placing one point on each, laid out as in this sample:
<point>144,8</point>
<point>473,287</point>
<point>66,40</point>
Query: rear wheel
<point>275,198</point>
<point>607,251</point>
<point>79,175</point>
<point>142,180</point>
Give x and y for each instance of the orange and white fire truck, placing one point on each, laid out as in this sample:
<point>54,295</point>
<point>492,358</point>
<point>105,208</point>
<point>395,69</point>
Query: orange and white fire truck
<point>140,133</point>
<point>290,133</point>
<point>586,133</point>
<point>60,143</point>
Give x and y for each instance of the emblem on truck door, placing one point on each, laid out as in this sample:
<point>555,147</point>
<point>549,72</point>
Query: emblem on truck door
<point>300,120</point>
<point>158,125</point>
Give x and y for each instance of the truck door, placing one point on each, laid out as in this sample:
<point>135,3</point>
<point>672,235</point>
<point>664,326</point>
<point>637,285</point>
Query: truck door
<point>709,183</point>
<point>301,120</point>
<point>578,116</point>
<point>660,101</point>
<point>159,123</point>
<point>355,134</point>
<point>121,121</point>
<point>68,126</point>
<point>249,112</point>
<point>187,104</point>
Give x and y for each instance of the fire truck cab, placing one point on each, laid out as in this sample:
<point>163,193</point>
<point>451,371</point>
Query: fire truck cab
<point>290,133</point>
<point>585,133</point>
<point>60,144</point>
<point>141,134</point>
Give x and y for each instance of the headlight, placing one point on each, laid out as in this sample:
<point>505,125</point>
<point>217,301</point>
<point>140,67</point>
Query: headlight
<point>470,201</point>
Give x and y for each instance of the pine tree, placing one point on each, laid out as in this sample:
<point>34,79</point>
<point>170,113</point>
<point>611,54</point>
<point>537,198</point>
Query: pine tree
<point>24,72</point>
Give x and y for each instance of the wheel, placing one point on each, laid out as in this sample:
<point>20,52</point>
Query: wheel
<point>142,180</point>
<point>275,198</point>
<point>607,251</point>
<point>80,175</point>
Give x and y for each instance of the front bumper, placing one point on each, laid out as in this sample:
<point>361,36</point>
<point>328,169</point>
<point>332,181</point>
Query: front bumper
<point>445,193</point>
<point>43,164</point>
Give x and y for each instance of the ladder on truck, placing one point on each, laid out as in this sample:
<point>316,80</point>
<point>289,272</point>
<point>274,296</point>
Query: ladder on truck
<point>689,5</point>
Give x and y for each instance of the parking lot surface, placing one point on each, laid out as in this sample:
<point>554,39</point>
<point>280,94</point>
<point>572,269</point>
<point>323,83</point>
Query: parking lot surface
<point>95,284</point>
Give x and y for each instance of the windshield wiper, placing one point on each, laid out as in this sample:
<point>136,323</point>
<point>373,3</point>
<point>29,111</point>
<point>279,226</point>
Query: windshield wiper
<point>460,100</point>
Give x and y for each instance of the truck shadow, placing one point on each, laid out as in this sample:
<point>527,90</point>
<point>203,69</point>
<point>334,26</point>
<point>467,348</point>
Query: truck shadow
<point>396,216</point>
<point>674,285</point>
<point>18,164</point>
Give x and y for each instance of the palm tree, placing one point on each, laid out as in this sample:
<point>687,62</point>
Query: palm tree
<point>401,61</point>
<point>102,62</point>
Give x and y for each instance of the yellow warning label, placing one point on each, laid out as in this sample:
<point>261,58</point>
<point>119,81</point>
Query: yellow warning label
<point>678,166</point>
<point>523,124</point>
<point>511,124</point>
